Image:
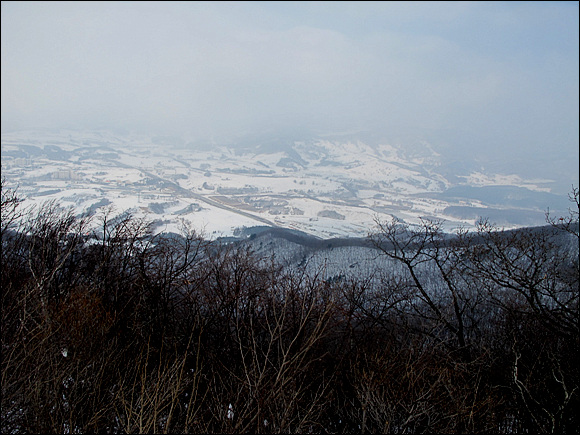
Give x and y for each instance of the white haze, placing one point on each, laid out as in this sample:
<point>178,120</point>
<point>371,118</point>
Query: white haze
<point>497,82</point>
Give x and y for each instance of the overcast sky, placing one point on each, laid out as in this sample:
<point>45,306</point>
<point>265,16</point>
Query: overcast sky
<point>487,77</point>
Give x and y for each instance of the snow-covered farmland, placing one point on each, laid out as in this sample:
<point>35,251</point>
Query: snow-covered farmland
<point>324,187</point>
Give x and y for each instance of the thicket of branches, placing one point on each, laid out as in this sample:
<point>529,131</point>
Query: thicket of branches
<point>114,329</point>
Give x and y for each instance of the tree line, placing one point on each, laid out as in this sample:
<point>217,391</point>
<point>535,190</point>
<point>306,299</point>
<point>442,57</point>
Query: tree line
<point>108,327</point>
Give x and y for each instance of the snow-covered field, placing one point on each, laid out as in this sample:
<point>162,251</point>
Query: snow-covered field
<point>327,188</point>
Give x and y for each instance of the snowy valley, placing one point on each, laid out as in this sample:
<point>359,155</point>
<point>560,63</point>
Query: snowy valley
<point>325,186</point>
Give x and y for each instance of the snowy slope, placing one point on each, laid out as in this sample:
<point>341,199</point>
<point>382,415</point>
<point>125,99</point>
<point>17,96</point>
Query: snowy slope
<point>327,187</point>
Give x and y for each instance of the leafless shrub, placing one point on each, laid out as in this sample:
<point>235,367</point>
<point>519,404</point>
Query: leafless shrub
<point>120,330</point>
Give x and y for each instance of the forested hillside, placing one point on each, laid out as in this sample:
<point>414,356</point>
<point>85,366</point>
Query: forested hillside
<point>108,327</point>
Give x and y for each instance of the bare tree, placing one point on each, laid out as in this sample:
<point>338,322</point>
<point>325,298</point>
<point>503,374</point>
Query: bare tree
<point>10,208</point>
<point>533,265</point>
<point>432,286</point>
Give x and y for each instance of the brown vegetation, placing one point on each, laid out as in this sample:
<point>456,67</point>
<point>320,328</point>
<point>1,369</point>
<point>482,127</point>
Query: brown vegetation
<point>123,331</point>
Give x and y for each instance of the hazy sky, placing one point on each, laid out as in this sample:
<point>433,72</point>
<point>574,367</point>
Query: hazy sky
<point>498,78</point>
